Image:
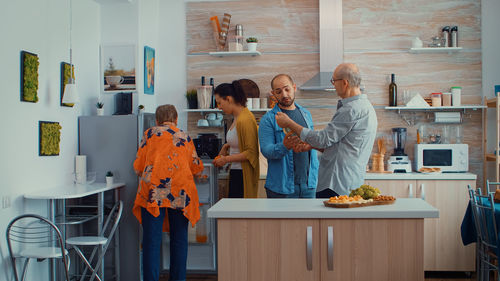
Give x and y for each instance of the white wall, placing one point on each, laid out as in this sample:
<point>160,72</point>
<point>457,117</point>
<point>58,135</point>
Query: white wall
<point>172,59</point>
<point>41,27</point>
<point>490,21</point>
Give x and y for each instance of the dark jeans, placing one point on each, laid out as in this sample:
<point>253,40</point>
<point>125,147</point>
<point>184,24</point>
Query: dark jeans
<point>151,244</point>
<point>300,191</point>
<point>235,184</point>
<point>327,193</point>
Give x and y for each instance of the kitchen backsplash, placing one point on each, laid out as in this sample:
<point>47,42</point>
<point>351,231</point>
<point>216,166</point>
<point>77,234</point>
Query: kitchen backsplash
<point>377,36</point>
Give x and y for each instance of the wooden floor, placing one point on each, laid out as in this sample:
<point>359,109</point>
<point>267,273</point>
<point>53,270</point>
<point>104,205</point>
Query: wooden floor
<point>429,276</point>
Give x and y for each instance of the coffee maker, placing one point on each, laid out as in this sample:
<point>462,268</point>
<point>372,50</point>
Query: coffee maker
<point>399,161</point>
<point>207,145</point>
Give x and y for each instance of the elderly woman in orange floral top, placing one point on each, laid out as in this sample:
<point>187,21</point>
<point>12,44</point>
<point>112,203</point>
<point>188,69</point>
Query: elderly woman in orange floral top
<point>166,162</point>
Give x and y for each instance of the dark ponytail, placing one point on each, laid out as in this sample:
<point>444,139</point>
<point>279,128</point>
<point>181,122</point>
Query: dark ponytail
<point>234,90</point>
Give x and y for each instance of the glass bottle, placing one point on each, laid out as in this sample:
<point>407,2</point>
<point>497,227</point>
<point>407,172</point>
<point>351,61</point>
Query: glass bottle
<point>393,92</point>
<point>201,226</point>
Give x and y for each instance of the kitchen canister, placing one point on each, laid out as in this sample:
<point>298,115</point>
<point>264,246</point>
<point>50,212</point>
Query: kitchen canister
<point>446,99</point>
<point>436,99</point>
<point>456,96</point>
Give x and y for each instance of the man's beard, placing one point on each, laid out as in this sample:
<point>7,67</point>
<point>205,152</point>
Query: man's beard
<point>284,104</point>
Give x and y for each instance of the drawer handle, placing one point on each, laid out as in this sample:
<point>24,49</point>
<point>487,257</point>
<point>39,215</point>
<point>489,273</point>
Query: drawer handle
<point>309,245</point>
<point>330,248</point>
<point>410,190</point>
<point>422,195</point>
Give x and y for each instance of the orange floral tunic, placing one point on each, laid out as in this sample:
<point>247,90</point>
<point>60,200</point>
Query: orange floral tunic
<point>166,161</point>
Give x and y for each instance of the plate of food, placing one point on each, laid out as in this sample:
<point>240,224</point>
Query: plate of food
<point>429,170</point>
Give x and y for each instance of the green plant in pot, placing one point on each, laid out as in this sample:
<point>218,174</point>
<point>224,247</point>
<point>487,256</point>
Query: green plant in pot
<point>252,44</point>
<point>109,178</point>
<point>192,98</point>
<point>100,108</point>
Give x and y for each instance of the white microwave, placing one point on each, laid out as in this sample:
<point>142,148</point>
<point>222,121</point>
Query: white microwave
<point>448,157</point>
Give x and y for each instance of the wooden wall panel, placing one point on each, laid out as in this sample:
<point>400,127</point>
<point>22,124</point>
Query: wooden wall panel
<point>377,36</point>
<point>260,69</point>
<point>280,26</point>
<point>391,25</point>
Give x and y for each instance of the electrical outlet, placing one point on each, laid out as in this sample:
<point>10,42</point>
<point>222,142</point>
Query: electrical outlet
<point>5,202</point>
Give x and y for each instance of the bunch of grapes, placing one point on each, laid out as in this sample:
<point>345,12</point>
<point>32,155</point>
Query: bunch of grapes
<point>365,191</point>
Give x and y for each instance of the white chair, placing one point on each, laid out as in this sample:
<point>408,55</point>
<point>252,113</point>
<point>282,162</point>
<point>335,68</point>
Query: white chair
<point>100,242</point>
<point>483,211</point>
<point>31,236</point>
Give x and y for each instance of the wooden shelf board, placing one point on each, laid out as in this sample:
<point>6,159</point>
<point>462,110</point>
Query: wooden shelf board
<point>491,157</point>
<point>435,50</point>
<point>233,54</point>
<point>492,102</point>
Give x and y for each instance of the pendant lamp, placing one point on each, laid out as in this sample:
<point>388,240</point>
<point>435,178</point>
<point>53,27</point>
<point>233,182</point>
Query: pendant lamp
<point>70,90</point>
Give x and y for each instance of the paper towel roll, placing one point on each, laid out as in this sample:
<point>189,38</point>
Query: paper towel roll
<point>81,169</point>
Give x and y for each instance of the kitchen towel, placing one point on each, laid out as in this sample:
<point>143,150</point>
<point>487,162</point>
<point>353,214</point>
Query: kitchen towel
<point>81,169</point>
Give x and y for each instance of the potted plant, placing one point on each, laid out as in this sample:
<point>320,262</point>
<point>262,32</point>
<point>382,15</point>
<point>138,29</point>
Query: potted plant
<point>252,44</point>
<point>100,108</point>
<point>141,109</point>
<point>192,99</point>
<point>109,178</point>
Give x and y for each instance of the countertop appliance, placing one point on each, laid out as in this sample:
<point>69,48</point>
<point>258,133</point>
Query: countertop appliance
<point>207,145</point>
<point>399,161</point>
<point>448,157</point>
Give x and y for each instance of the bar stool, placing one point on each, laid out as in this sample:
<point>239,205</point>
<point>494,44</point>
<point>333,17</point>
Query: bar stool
<point>100,242</point>
<point>36,238</point>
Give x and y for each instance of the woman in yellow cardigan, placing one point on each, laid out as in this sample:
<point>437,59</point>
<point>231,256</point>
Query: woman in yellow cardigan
<point>242,147</point>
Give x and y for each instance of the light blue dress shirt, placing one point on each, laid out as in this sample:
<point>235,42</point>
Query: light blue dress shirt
<point>347,141</point>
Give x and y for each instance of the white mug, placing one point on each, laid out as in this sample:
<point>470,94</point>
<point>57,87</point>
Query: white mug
<point>255,103</point>
<point>263,102</point>
<point>211,116</point>
<point>202,123</point>
<point>250,103</point>
<point>417,43</point>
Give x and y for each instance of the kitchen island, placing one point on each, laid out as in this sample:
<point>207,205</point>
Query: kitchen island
<point>301,239</point>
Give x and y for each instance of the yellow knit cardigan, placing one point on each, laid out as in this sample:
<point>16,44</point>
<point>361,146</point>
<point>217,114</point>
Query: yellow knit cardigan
<point>248,139</point>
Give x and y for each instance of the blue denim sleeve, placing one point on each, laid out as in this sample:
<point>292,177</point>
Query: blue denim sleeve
<point>268,145</point>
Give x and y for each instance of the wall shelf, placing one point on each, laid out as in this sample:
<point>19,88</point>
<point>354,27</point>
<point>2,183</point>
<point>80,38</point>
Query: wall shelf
<point>436,108</point>
<point>435,50</point>
<point>234,54</point>
<point>218,110</point>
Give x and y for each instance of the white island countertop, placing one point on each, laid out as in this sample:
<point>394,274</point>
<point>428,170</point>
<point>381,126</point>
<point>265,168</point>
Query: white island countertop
<point>314,208</point>
<point>420,176</point>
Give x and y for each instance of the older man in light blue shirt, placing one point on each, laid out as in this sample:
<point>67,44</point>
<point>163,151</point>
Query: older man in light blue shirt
<point>346,141</point>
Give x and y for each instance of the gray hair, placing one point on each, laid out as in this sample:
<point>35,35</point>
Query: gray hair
<point>350,72</point>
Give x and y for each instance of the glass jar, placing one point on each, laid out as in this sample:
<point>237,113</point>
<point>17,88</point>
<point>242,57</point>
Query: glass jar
<point>436,99</point>
<point>456,96</point>
<point>446,99</point>
<point>202,225</point>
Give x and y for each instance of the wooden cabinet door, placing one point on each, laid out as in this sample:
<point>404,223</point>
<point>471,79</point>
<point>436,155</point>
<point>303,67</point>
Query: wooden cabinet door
<point>268,249</point>
<point>396,188</point>
<point>443,247</point>
<point>372,249</point>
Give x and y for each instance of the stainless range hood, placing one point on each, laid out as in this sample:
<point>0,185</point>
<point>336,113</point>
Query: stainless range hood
<point>331,45</point>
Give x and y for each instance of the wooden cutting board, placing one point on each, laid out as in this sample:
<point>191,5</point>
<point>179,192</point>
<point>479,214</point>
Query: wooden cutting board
<point>355,205</point>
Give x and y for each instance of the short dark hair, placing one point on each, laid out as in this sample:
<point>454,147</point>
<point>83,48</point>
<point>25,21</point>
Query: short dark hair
<point>281,75</point>
<point>166,113</point>
<point>234,90</point>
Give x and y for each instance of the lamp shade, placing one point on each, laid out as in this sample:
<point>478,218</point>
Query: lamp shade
<point>70,94</point>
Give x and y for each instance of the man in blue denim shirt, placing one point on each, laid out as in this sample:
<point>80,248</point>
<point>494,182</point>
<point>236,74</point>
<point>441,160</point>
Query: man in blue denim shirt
<point>290,174</point>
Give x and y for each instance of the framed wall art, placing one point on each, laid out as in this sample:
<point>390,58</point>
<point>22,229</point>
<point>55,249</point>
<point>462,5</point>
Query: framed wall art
<point>49,137</point>
<point>149,70</point>
<point>65,74</point>
<point>118,65</point>
<point>29,76</point>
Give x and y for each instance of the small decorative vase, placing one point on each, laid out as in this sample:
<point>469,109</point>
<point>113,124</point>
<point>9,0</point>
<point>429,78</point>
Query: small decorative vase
<point>109,181</point>
<point>252,47</point>
<point>141,111</point>
<point>100,111</point>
